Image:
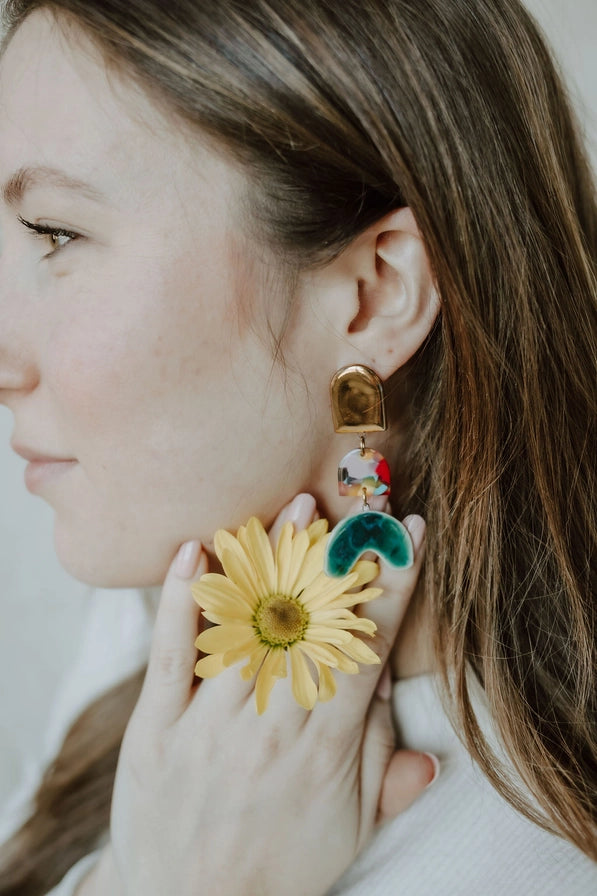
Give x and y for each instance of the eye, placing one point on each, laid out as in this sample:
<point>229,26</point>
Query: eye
<point>57,236</point>
<point>60,238</point>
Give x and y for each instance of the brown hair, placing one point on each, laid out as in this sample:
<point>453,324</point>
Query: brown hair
<point>340,112</point>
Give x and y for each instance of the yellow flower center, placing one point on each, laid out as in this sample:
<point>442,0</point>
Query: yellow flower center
<point>280,621</point>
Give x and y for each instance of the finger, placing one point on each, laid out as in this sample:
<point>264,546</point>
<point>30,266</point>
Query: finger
<point>387,612</point>
<point>383,689</point>
<point>377,746</point>
<point>301,511</point>
<point>390,780</point>
<point>398,586</point>
<point>408,774</point>
<point>170,671</point>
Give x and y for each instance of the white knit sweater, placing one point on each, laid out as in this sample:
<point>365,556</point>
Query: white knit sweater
<point>460,838</point>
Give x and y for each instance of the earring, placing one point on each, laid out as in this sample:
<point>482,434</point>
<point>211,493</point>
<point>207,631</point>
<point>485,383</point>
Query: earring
<point>358,406</point>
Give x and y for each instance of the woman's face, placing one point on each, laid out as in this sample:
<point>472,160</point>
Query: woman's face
<point>136,349</point>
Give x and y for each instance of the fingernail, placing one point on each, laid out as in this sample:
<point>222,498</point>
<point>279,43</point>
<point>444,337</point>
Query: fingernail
<point>416,528</point>
<point>187,558</point>
<point>300,510</point>
<point>435,768</point>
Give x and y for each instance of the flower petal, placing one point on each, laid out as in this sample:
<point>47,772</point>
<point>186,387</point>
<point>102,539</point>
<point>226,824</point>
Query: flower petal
<point>303,686</point>
<point>299,548</point>
<point>213,587</point>
<point>283,554</point>
<point>274,667</point>
<point>221,638</point>
<point>361,624</point>
<point>327,635</point>
<point>227,615</point>
<point>317,531</point>
<point>332,614</point>
<point>343,663</point>
<point>246,649</point>
<point>227,606</point>
<point>344,619</point>
<point>257,546</point>
<point>354,598</point>
<point>241,574</point>
<point>209,666</point>
<point>358,650</point>
<point>224,540</point>
<point>255,660</point>
<point>280,670</point>
<point>319,653</point>
<point>311,568</point>
<point>327,684</point>
<point>366,570</point>
<point>227,546</point>
<point>325,589</point>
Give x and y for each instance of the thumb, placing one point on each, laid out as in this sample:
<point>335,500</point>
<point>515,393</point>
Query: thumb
<point>408,774</point>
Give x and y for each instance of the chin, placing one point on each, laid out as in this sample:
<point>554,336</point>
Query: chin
<point>98,565</point>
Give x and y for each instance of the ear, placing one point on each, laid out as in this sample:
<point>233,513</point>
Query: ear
<point>394,299</point>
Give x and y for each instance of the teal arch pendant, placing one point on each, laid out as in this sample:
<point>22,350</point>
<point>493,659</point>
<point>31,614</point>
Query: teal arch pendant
<point>367,531</point>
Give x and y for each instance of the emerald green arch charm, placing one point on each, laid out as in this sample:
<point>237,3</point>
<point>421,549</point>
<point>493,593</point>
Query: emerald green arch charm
<point>367,531</point>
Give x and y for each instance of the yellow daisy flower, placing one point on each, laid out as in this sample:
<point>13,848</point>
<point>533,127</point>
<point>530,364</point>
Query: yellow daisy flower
<point>274,604</point>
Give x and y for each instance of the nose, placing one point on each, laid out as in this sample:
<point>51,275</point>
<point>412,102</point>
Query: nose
<point>17,374</point>
<point>18,370</point>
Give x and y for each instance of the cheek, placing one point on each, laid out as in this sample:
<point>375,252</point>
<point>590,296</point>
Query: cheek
<point>181,422</point>
<point>90,371</point>
<point>124,350</point>
<point>150,388</point>
<point>104,551</point>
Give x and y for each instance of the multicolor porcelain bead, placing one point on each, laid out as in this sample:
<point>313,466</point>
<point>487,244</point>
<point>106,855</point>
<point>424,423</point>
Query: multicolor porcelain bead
<point>363,471</point>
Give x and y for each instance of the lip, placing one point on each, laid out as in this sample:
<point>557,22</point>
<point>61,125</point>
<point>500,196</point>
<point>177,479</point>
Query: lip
<point>38,457</point>
<point>39,473</point>
<point>42,468</point>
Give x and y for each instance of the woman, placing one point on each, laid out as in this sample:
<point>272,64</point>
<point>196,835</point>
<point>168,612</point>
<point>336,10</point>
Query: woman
<point>209,209</point>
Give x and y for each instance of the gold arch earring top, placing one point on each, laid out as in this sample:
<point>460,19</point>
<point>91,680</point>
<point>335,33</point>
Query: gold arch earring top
<point>357,400</point>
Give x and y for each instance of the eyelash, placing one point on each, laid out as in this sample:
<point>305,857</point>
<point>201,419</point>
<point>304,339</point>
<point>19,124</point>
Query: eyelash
<point>53,232</point>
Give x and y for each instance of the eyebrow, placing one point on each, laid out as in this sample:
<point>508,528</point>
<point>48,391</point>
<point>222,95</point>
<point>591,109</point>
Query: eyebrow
<point>26,179</point>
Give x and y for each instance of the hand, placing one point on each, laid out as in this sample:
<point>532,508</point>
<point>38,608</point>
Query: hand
<point>211,797</point>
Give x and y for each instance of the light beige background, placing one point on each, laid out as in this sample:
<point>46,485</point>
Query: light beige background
<point>41,608</point>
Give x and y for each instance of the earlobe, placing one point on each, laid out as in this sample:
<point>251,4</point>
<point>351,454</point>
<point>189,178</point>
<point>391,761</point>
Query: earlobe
<point>398,301</point>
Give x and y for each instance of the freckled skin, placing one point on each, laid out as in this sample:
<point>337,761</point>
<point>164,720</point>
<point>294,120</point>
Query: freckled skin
<point>143,348</point>
<point>128,349</point>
